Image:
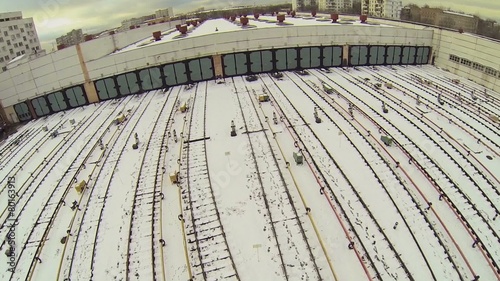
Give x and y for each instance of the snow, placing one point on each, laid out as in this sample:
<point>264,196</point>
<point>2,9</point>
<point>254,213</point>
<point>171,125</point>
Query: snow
<point>243,207</point>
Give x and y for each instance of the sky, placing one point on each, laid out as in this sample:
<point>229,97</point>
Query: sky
<point>54,18</point>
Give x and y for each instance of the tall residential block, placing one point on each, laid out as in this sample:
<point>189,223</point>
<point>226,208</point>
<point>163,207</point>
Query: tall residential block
<point>18,37</point>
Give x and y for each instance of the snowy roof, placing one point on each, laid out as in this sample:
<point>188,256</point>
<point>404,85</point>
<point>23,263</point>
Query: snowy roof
<point>222,25</point>
<point>458,14</point>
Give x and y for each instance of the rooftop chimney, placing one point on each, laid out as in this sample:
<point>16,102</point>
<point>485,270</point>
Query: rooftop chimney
<point>334,17</point>
<point>194,22</point>
<point>293,14</point>
<point>244,21</point>
<point>178,26</point>
<point>280,18</point>
<point>233,18</point>
<point>61,46</point>
<point>157,35</point>
<point>313,13</point>
<point>183,29</point>
<point>363,18</point>
<point>256,16</point>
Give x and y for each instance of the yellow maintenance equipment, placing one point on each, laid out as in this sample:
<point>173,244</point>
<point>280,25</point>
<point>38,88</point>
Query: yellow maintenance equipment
<point>119,119</point>
<point>388,85</point>
<point>263,98</point>
<point>183,107</point>
<point>173,177</point>
<point>81,186</point>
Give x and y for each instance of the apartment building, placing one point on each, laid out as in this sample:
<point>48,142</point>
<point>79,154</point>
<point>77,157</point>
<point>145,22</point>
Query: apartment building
<point>449,19</point>
<point>165,13</point>
<point>71,38</point>
<point>382,8</point>
<point>335,5</point>
<point>18,37</point>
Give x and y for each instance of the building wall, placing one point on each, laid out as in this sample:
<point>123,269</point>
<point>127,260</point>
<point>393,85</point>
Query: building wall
<point>18,36</point>
<point>57,72</point>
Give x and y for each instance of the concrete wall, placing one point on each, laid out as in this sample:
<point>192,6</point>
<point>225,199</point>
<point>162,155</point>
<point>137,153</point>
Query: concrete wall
<point>62,69</point>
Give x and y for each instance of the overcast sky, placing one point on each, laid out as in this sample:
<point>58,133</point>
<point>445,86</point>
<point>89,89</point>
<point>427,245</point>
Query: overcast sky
<point>56,17</point>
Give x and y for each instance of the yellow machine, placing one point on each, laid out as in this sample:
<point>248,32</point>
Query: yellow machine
<point>119,119</point>
<point>388,85</point>
<point>263,98</point>
<point>81,186</point>
<point>173,177</point>
<point>183,107</point>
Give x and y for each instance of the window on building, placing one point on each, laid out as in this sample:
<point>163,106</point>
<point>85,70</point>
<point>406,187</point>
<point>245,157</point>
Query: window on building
<point>11,51</point>
<point>7,57</point>
<point>5,33</point>
<point>1,60</point>
<point>31,41</point>
<point>20,43</point>
<point>15,45</point>
<point>23,52</point>
<point>18,35</point>
<point>10,28</point>
<point>27,47</point>
<point>13,37</point>
<point>37,48</point>
<point>24,38</point>
<point>8,42</point>
<point>22,29</point>
<point>18,53</point>
<point>26,25</point>
<point>1,39</point>
<point>4,48</point>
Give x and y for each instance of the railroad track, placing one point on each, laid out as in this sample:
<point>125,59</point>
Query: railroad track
<point>210,254</point>
<point>463,87</point>
<point>284,220</point>
<point>465,118</point>
<point>51,199</point>
<point>440,179</point>
<point>84,249</point>
<point>369,233</point>
<point>468,172</point>
<point>145,208</point>
<point>380,167</point>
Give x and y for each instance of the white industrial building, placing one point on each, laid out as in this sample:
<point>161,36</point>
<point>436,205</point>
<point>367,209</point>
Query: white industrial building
<point>18,36</point>
<point>207,149</point>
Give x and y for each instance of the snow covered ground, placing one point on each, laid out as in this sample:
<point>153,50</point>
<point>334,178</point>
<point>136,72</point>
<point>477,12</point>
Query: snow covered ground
<point>424,206</point>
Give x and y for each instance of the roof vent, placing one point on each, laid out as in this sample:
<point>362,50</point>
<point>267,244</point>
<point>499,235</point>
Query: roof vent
<point>280,18</point>
<point>157,35</point>
<point>313,13</point>
<point>183,29</point>
<point>233,18</point>
<point>256,16</point>
<point>61,46</point>
<point>244,21</point>
<point>363,18</point>
<point>334,17</point>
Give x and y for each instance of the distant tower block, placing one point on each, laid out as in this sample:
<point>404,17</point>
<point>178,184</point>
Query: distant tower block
<point>334,17</point>
<point>280,18</point>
